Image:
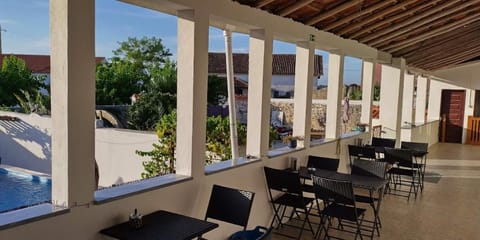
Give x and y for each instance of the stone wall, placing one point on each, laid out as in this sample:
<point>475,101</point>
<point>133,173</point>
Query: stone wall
<point>318,113</point>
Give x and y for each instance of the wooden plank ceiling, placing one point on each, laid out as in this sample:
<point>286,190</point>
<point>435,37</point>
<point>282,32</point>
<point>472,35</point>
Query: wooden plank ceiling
<point>429,34</point>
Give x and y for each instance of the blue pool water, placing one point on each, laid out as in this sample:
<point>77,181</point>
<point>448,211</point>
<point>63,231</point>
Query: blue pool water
<point>18,190</point>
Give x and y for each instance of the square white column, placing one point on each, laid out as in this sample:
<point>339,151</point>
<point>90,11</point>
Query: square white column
<point>72,31</point>
<point>391,99</point>
<point>334,96</point>
<point>368,69</point>
<point>302,121</point>
<point>192,81</point>
<point>408,89</point>
<point>421,100</point>
<point>259,91</point>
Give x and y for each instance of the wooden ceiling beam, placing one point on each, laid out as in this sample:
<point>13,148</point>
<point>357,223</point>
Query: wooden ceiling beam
<point>380,15</point>
<point>262,3</point>
<point>322,16</point>
<point>425,23</point>
<point>454,59</point>
<point>358,14</point>
<point>467,52</point>
<point>294,7</point>
<point>447,51</point>
<point>440,40</point>
<point>411,23</point>
<point>424,53</point>
<point>434,32</point>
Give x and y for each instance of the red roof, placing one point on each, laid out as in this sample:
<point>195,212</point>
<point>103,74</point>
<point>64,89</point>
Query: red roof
<point>283,64</point>
<point>39,63</point>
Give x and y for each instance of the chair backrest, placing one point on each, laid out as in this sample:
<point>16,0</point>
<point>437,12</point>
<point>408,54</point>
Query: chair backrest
<point>404,157</point>
<point>369,168</point>
<point>417,146</point>
<point>361,152</point>
<point>283,181</point>
<point>230,205</point>
<point>383,142</point>
<point>333,190</point>
<point>323,163</point>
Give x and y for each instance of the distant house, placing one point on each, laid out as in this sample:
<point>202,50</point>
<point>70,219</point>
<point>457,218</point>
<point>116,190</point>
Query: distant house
<point>39,64</point>
<point>283,70</point>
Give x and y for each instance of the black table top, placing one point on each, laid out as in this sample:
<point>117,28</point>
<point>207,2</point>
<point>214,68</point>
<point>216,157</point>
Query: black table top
<point>161,225</point>
<point>366,182</point>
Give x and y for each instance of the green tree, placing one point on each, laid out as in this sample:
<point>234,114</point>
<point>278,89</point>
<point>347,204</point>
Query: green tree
<point>376,92</point>
<point>15,77</point>
<point>217,89</point>
<point>117,81</point>
<point>148,53</point>
<point>162,157</point>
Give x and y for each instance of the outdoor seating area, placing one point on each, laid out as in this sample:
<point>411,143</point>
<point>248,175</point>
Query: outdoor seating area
<point>373,169</point>
<point>398,216</point>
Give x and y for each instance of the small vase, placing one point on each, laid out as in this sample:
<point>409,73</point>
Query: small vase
<point>292,144</point>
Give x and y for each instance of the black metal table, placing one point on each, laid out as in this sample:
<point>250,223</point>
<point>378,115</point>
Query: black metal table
<point>161,225</point>
<point>372,184</point>
<point>365,182</point>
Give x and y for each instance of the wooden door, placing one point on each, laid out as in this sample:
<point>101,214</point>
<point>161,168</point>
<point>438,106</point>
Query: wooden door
<point>453,106</point>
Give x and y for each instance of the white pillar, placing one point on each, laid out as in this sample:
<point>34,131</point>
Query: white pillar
<point>421,100</point>
<point>391,99</point>
<point>72,31</point>
<point>334,96</point>
<point>408,89</point>
<point>192,79</point>
<point>434,99</point>
<point>259,91</point>
<point>368,69</point>
<point>231,94</point>
<point>302,121</point>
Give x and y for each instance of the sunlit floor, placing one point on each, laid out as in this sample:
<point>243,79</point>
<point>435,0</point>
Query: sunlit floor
<point>448,208</point>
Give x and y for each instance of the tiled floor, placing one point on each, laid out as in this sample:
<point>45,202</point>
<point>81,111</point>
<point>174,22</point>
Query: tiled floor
<point>448,208</point>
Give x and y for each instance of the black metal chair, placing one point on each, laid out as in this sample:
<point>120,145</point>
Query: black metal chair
<point>420,151</point>
<point>317,162</point>
<point>341,204</point>
<point>403,162</point>
<point>371,169</point>
<point>381,143</point>
<point>289,193</point>
<point>230,205</point>
<point>323,163</point>
<point>361,152</point>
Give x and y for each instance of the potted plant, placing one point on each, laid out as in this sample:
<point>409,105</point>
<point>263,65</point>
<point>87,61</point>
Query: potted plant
<point>291,140</point>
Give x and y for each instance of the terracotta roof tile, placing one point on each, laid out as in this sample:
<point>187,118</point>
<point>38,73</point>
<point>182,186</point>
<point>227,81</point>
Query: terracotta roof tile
<point>38,63</point>
<point>283,64</point>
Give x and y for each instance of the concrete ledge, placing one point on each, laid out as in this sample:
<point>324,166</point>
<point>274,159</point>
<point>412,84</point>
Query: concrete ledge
<point>29,214</point>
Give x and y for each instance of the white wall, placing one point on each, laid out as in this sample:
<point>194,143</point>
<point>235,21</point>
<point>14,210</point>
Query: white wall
<point>465,76</point>
<point>116,157</point>
<point>27,144</point>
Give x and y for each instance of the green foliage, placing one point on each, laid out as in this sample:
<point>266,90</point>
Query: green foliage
<point>138,65</point>
<point>30,104</point>
<point>162,157</point>
<point>376,93</point>
<point>273,135</point>
<point>117,81</point>
<point>148,53</point>
<point>355,94</point>
<point>218,138</point>
<point>217,89</point>
<point>15,77</point>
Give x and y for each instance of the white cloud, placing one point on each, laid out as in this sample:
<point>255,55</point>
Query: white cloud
<point>8,21</point>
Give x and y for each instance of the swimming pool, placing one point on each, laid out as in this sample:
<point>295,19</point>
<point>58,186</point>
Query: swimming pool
<point>20,189</point>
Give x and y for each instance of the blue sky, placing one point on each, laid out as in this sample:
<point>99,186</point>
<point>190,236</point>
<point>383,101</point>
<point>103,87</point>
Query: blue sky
<point>28,33</point>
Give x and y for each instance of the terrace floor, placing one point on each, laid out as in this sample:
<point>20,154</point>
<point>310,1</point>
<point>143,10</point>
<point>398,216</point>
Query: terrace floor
<point>448,207</point>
